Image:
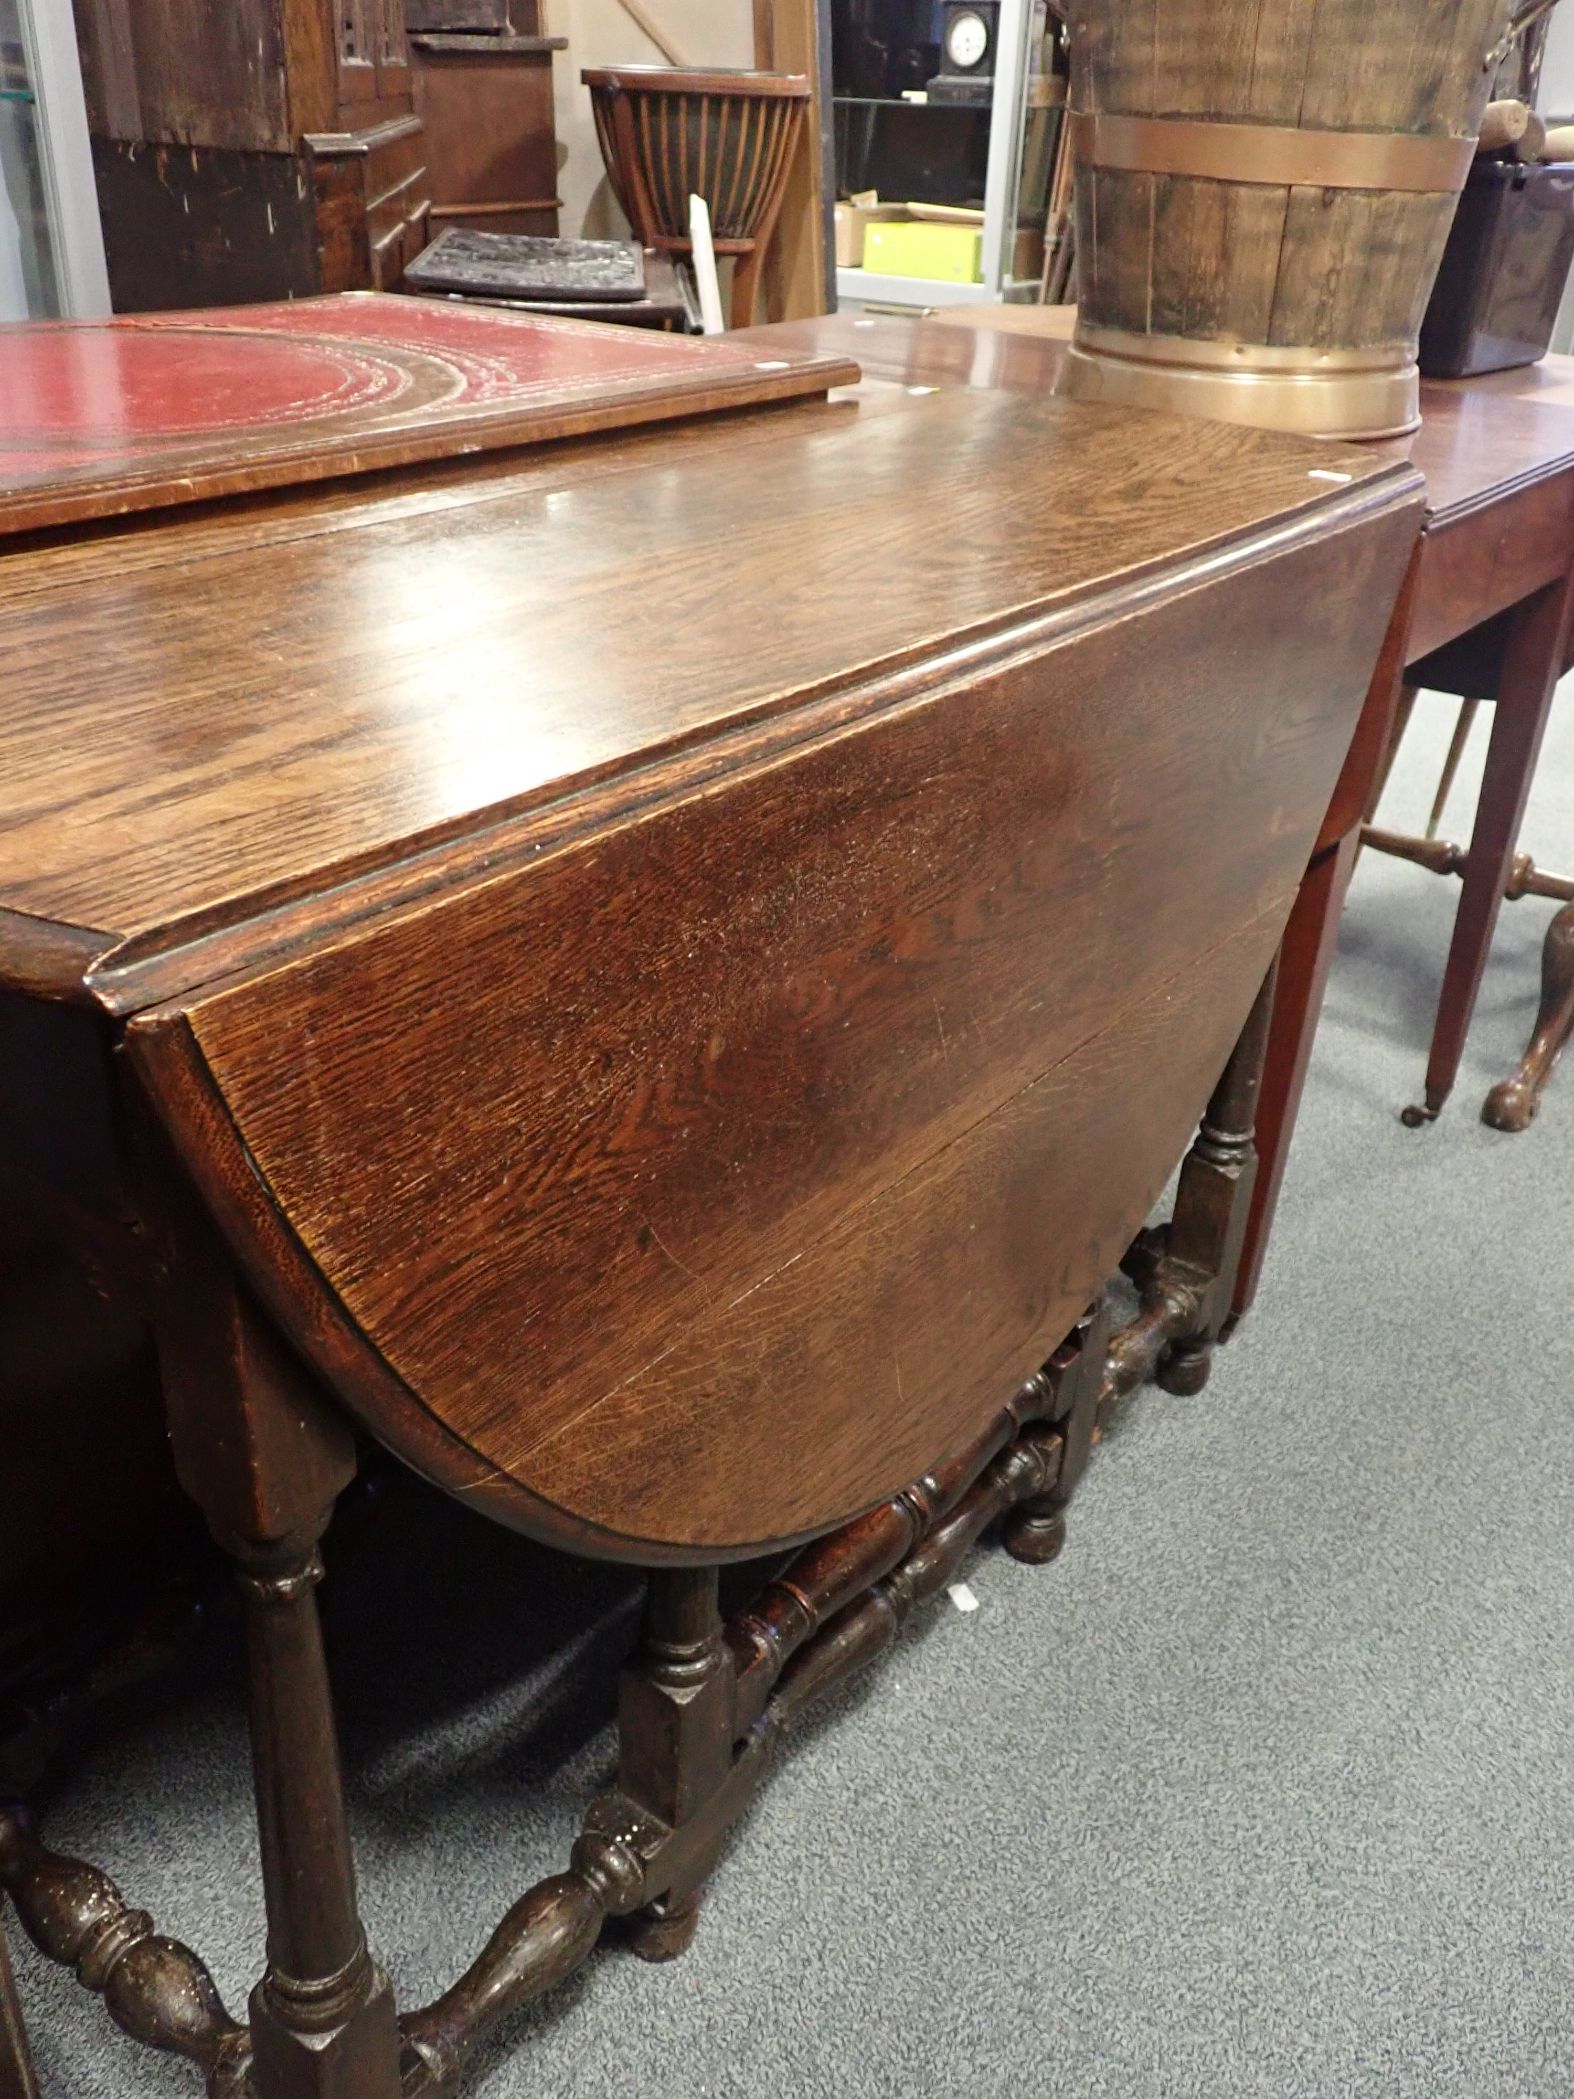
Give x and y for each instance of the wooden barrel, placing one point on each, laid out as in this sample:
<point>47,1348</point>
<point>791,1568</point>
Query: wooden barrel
<point>1264,191</point>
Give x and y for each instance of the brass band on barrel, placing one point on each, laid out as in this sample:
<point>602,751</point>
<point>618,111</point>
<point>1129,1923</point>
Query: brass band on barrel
<point>1319,393</point>
<point>1282,154</point>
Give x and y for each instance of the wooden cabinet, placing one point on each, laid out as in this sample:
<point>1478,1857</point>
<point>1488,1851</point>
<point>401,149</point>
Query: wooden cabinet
<point>265,149</point>
<point>486,102</point>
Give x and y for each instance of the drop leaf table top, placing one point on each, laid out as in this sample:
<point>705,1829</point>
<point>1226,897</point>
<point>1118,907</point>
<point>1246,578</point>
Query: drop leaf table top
<point>661,960</point>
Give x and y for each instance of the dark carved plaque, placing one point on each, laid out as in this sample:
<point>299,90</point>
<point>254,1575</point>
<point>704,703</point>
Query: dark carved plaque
<point>529,266</point>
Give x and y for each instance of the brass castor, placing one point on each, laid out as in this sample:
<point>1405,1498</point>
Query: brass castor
<point>1035,1539</point>
<point>666,1929</point>
<point>1185,1369</point>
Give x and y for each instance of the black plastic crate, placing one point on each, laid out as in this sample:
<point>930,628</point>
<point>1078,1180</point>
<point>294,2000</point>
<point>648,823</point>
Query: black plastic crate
<point>1503,272</point>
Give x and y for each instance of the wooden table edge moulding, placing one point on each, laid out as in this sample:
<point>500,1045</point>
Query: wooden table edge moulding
<point>686,1103</point>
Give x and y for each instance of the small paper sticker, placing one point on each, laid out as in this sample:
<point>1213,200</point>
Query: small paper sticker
<point>962,1596</point>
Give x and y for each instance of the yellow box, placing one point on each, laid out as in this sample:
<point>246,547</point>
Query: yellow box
<point>854,217</point>
<point>914,248</point>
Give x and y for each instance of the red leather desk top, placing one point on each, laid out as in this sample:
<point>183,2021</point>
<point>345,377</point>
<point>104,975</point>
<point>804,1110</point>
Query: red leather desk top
<point>151,409</point>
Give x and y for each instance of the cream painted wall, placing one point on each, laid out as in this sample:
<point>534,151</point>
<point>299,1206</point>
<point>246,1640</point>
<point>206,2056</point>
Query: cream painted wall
<point>702,32</point>
<point>1557,67</point>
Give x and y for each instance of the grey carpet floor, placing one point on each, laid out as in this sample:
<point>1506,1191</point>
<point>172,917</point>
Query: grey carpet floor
<point>1264,1790</point>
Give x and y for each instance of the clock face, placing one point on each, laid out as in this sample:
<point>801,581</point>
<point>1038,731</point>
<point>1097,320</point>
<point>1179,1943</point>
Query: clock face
<point>967,41</point>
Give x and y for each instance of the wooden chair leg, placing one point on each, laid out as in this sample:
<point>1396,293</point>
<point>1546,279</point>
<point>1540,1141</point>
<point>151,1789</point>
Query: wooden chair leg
<point>1468,710</point>
<point>1532,664</point>
<point>746,286</point>
<point>17,2080</point>
<point>1513,1103</point>
<point>676,1712</point>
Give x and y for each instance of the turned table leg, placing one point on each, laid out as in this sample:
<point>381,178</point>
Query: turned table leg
<point>1310,940</point>
<point>266,1458</point>
<point>1188,1273</point>
<point>1532,663</point>
<point>16,2062</point>
<point>1513,1103</point>
<point>322,2018</point>
<point>676,1711</point>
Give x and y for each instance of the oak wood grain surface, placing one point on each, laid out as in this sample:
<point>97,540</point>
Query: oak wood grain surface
<point>1498,456</point>
<point>195,722</point>
<point>1481,440</point>
<point>699,1103</point>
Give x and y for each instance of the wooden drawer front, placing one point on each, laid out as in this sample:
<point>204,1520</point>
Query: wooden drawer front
<point>372,205</point>
<point>713,1176</point>
<point>398,200</point>
<point>489,133</point>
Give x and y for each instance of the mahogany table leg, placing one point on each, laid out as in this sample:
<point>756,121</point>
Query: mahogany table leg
<point>265,1459</point>
<point>676,1709</point>
<point>17,2080</point>
<point>1306,958</point>
<point>1513,1103</point>
<point>1532,663</point>
<point>1404,708</point>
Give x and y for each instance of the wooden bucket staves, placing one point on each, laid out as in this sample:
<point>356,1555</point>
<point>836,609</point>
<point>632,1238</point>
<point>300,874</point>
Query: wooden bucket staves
<point>1264,189</point>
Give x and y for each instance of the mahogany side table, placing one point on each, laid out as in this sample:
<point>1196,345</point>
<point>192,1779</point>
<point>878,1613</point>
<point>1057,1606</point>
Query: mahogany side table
<point>1490,577</point>
<point>1495,565</point>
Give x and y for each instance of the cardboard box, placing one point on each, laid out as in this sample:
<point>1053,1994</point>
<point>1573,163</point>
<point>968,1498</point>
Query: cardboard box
<point>920,248</point>
<point>854,217</point>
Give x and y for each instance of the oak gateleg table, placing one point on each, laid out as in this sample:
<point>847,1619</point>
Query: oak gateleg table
<point>644,976</point>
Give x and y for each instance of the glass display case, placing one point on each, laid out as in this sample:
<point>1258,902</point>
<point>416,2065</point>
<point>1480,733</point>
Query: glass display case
<point>947,112</point>
<point>51,247</point>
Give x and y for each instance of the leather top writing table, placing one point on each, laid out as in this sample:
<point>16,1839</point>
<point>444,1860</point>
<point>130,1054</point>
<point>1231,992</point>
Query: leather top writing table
<point>649,978</point>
